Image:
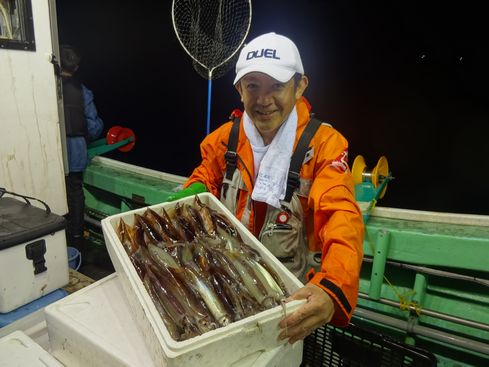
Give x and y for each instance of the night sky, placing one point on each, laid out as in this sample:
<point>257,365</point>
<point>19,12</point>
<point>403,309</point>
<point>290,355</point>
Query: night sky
<point>398,79</point>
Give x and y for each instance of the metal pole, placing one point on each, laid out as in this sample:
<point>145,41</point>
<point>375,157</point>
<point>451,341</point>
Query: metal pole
<point>90,220</point>
<point>424,331</point>
<point>439,315</point>
<point>436,272</point>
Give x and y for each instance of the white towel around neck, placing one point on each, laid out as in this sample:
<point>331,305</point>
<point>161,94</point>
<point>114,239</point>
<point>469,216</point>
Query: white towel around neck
<point>273,166</point>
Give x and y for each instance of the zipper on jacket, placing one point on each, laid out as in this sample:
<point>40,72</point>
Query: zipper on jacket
<point>271,227</point>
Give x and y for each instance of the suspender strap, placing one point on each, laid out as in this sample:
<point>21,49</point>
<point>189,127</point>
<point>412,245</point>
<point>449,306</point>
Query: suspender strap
<point>231,155</point>
<point>298,156</point>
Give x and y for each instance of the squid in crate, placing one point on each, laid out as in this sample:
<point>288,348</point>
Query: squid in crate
<point>197,269</point>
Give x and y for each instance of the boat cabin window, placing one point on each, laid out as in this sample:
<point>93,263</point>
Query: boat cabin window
<point>16,26</point>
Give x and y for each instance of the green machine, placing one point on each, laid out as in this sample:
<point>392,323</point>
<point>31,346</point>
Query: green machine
<point>425,276</point>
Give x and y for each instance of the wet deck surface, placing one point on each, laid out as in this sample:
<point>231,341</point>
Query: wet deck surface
<point>77,281</point>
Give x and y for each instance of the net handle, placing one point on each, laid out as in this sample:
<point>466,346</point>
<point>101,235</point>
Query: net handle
<point>209,94</point>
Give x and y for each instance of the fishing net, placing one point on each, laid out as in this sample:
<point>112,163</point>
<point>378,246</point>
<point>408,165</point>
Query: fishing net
<point>211,32</point>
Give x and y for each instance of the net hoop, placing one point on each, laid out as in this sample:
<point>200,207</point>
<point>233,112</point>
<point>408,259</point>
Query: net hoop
<point>226,59</point>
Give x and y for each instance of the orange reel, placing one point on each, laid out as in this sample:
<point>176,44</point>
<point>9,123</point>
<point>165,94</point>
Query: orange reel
<point>378,174</point>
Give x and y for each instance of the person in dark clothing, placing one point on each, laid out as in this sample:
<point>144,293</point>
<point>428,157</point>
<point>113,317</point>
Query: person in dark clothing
<point>82,125</point>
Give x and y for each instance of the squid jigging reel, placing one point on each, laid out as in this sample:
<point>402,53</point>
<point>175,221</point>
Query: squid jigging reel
<point>378,176</point>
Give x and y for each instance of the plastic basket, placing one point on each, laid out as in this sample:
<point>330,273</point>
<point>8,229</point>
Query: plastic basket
<point>359,347</point>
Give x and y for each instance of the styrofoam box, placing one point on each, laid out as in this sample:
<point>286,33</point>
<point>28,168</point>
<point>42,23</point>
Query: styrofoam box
<point>285,355</point>
<point>18,350</point>
<point>33,255</point>
<point>220,347</point>
<point>94,327</point>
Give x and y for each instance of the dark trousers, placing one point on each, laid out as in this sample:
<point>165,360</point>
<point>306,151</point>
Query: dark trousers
<point>76,209</point>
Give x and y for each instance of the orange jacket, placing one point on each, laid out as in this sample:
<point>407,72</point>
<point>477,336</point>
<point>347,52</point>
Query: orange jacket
<point>333,219</point>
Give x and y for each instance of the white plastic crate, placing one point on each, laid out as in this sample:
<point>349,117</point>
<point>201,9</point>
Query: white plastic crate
<point>18,350</point>
<point>94,327</point>
<point>220,347</point>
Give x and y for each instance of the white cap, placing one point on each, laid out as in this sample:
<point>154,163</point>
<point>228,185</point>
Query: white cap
<point>272,54</point>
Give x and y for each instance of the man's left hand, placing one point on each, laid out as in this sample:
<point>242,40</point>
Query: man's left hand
<point>318,311</point>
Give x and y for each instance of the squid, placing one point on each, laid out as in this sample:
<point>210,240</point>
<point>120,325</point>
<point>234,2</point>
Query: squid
<point>197,269</point>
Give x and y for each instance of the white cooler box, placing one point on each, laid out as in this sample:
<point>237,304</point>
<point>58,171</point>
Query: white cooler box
<point>223,346</point>
<point>33,255</point>
<point>18,350</point>
<point>94,327</point>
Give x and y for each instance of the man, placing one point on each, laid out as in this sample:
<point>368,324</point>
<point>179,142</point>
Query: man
<point>320,226</point>
<point>82,125</point>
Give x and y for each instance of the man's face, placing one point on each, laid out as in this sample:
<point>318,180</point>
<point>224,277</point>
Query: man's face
<point>267,101</point>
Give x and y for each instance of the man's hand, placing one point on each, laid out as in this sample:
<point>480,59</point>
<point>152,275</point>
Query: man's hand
<point>318,311</point>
